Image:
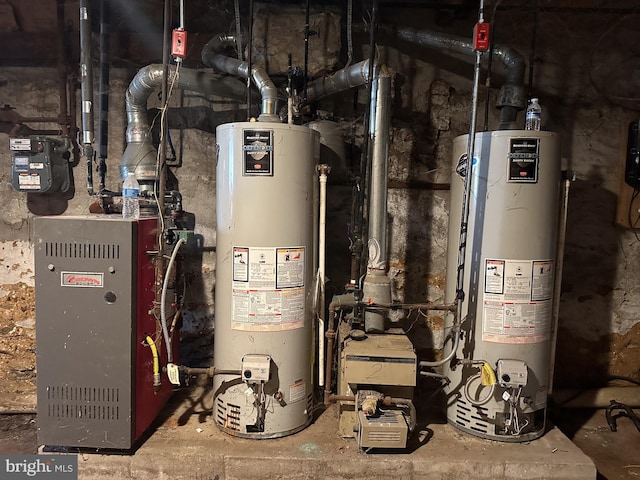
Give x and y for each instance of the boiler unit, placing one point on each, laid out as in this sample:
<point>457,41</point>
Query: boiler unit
<point>379,372</point>
<point>265,251</point>
<point>500,374</point>
<point>96,333</point>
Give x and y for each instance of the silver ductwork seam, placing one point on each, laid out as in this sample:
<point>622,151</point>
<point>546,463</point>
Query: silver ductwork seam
<point>512,97</point>
<point>140,155</point>
<point>212,58</point>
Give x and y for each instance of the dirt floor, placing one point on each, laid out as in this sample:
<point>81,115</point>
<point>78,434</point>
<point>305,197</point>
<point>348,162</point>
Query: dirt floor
<point>17,348</point>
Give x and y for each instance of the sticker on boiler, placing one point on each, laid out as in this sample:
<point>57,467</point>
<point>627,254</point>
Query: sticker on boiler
<point>82,279</point>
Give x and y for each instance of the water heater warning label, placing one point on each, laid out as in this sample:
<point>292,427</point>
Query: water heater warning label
<point>517,301</point>
<point>268,288</point>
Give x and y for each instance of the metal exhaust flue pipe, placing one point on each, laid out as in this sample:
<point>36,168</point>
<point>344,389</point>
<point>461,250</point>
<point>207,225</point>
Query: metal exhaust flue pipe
<point>140,155</point>
<point>512,97</point>
<point>212,58</point>
<point>352,76</point>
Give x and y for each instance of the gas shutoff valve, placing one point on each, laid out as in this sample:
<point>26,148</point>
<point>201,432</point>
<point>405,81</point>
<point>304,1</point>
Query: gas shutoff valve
<point>256,368</point>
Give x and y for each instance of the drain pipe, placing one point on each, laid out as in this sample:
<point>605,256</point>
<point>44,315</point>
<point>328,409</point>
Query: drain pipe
<point>233,66</point>
<point>512,97</point>
<point>140,154</point>
<point>377,285</point>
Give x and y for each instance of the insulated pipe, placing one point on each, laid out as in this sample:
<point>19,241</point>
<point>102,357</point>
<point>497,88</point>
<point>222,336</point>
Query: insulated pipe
<point>86,84</point>
<point>512,97</point>
<point>322,224</point>
<point>233,66</point>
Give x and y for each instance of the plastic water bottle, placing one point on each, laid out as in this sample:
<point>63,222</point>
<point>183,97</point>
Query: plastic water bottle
<point>534,113</point>
<point>130,201</point>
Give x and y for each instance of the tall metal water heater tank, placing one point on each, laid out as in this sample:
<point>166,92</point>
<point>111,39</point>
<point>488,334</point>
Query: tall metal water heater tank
<point>264,271</point>
<point>509,282</point>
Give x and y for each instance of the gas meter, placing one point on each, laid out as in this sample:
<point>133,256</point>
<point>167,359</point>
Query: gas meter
<point>40,165</point>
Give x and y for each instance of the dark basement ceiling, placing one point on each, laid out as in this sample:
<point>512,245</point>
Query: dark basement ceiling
<point>29,30</point>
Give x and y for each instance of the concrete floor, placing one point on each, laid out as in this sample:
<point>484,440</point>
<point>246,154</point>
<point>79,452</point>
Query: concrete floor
<point>185,444</point>
<point>616,454</point>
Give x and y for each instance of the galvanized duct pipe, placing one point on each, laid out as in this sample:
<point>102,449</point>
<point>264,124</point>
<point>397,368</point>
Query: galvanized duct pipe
<point>379,134</point>
<point>349,77</point>
<point>233,66</point>
<point>512,97</point>
<point>377,285</point>
<point>140,155</point>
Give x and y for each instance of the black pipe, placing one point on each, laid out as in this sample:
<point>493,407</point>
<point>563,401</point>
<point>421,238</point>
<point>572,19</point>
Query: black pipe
<point>306,51</point>
<point>103,93</point>
<point>86,84</point>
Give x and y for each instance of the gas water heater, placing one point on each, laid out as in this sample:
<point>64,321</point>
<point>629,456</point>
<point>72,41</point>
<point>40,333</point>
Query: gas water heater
<point>507,315</point>
<point>265,266</point>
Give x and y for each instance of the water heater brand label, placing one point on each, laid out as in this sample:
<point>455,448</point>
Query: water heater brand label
<point>523,158</point>
<point>82,279</point>
<point>461,167</point>
<point>517,301</point>
<point>268,288</point>
<point>257,148</point>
